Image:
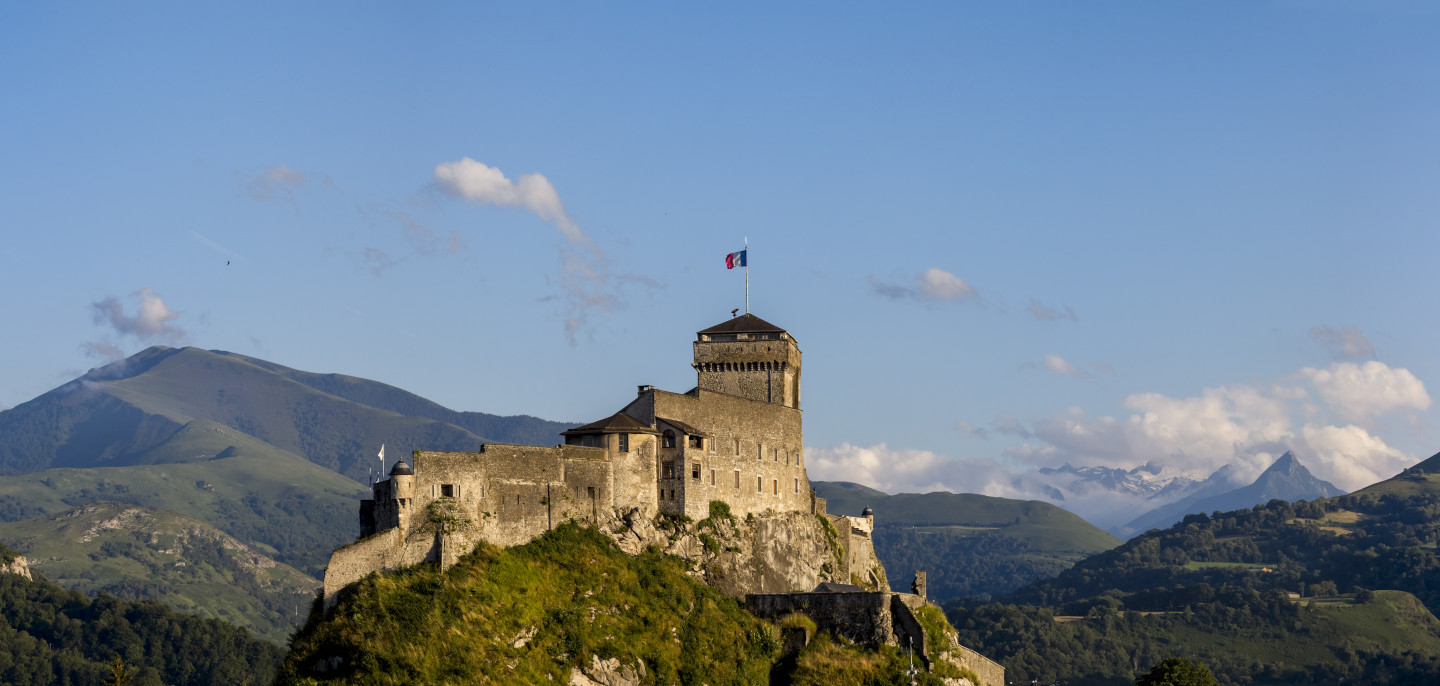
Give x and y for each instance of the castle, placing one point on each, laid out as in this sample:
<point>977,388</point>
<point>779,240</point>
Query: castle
<point>735,438</point>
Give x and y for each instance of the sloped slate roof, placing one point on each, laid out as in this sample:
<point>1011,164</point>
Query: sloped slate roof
<point>830,587</point>
<point>689,430</point>
<point>745,323</point>
<point>618,423</point>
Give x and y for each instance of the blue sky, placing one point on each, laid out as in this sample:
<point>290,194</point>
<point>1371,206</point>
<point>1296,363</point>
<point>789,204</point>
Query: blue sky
<point>1006,235</point>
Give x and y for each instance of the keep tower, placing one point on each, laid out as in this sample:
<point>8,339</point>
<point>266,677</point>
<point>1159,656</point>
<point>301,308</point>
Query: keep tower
<point>749,357</point>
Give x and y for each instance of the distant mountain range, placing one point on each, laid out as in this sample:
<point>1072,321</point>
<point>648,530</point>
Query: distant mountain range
<point>1285,479</point>
<point>968,544</point>
<point>132,411</point>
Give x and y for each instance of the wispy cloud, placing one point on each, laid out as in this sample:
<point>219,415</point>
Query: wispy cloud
<point>1046,313</point>
<point>586,278</point>
<point>152,322</point>
<point>932,285</point>
<point>228,253</point>
<point>486,185</point>
<point>1344,343</point>
<point>1057,364</point>
<point>278,183</point>
<point>419,239</point>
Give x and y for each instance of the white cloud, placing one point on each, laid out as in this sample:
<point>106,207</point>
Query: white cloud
<point>1244,426</point>
<point>934,284</point>
<point>153,320</point>
<point>1057,364</point>
<point>486,185</point>
<point>276,183</point>
<point>942,285</point>
<point>586,278</point>
<point>918,471</point>
<point>1344,343</point>
<point>1362,391</point>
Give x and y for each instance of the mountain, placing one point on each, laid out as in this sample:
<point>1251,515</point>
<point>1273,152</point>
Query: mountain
<point>274,458</point>
<point>1285,479</point>
<point>141,553</point>
<point>968,544</point>
<point>1227,590</point>
<point>50,635</point>
<point>128,412</point>
<point>1148,480</point>
<point>272,500</point>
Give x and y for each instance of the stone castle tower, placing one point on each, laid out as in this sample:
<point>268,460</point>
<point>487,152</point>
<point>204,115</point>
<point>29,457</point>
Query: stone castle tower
<point>750,358</point>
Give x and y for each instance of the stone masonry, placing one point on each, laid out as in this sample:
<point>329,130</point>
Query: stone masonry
<point>736,438</point>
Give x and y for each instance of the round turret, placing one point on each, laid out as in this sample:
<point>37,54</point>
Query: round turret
<point>401,469</point>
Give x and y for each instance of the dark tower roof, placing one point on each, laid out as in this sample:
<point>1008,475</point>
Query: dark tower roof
<point>618,423</point>
<point>401,469</point>
<point>745,323</point>
<point>868,513</point>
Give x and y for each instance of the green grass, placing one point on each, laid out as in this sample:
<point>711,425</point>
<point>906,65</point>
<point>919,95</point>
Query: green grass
<point>134,552</point>
<point>531,613</point>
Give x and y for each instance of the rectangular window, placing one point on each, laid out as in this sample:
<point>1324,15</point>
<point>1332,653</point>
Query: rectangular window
<point>776,454</point>
<point>667,470</point>
<point>712,477</point>
<point>759,451</point>
<point>447,490</point>
<point>695,471</point>
<point>697,442</point>
<point>737,478</point>
<point>759,484</point>
<point>737,446</point>
<point>797,484</point>
<point>775,486</point>
<point>624,443</point>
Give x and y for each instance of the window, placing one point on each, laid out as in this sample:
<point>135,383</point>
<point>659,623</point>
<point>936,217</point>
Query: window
<point>449,491</point>
<point>737,446</point>
<point>695,471</point>
<point>797,484</point>
<point>759,450</point>
<point>672,495</point>
<point>667,470</point>
<point>624,443</point>
<point>712,477</point>
<point>759,484</point>
<point>697,441</point>
<point>775,486</point>
<point>737,478</point>
<point>667,439</point>
<point>775,453</point>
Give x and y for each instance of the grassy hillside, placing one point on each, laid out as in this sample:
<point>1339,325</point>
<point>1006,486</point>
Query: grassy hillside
<point>49,635</point>
<point>134,552</point>
<point>533,613</point>
<point>1245,637</point>
<point>1217,586</point>
<point>969,544</point>
<point>280,504</point>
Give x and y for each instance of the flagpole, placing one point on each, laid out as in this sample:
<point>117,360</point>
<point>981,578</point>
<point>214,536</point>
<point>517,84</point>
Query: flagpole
<point>747,275</point>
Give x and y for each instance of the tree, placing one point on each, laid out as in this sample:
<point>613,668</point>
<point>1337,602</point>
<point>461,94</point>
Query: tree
<point>1177,671</point>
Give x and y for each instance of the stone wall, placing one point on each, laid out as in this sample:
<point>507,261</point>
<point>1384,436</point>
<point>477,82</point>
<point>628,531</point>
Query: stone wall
<point>752,457</point>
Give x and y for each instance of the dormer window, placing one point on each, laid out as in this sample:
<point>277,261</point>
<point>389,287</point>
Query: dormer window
<point>667,439</point>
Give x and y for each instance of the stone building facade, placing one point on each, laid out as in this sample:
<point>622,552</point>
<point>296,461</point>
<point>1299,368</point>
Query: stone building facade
<point>736,438</point>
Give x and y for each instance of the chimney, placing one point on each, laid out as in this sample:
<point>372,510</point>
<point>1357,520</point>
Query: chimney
<point>640,390</point>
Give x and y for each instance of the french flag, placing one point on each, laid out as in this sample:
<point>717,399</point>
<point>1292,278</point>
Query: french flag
<point>735,259</point>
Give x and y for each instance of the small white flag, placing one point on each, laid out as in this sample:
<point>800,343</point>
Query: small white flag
<point>382,452</point>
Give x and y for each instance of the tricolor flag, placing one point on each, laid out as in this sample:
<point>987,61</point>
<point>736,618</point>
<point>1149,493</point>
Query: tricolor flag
<point>735,259</point>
